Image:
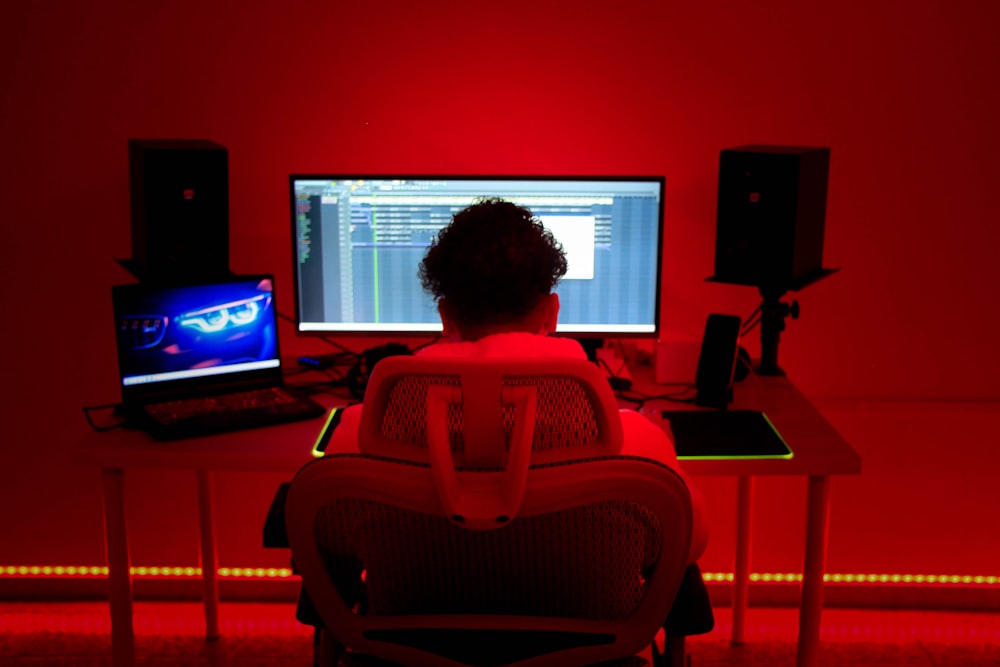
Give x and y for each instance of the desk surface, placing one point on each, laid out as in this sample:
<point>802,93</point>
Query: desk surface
<point>818,448</point>
<point>280,448</point>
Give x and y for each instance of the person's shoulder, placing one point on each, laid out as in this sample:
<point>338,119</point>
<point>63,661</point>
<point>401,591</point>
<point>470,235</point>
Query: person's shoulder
<point>514,344</point>
<point>447,349</point>
<point>531,345</point>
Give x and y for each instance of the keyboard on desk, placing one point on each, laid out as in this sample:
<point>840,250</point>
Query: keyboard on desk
<point>205,415</point>
<point>203,405</point>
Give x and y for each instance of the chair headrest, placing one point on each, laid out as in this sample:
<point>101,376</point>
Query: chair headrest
<point>480,423</point>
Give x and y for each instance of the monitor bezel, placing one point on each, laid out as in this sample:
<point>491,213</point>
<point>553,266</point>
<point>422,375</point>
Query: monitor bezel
<point>436,332</point>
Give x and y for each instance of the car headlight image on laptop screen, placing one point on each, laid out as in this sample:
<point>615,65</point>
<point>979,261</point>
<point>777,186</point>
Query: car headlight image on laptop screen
<point>224,316</point>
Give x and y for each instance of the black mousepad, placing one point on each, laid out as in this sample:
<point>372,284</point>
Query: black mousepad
<point>725,434</point>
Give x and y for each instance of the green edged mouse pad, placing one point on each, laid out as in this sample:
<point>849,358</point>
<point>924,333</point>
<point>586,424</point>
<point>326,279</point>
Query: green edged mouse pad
<point>329,426</point>
<point>725,434</point>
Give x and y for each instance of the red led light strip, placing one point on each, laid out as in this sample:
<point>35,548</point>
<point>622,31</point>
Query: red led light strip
<point>92,572</point>
<point>865,579</point>
<point>278,574</point>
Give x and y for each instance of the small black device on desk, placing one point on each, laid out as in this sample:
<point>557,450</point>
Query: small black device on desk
<point>717,361</point>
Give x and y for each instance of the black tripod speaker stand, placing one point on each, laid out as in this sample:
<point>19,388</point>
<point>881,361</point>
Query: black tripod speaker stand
<point>773,312</point>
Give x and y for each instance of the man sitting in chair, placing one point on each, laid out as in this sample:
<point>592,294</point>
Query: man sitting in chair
<point>492,271</point>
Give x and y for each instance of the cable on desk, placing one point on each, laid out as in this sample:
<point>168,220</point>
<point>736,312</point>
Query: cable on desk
<point>751,322</point>
<point>743,359</point>
<point>325,339</point>
<point>618,382</point>
<point>87,409</point>
<point>344,350</point>
<point>640,400</point>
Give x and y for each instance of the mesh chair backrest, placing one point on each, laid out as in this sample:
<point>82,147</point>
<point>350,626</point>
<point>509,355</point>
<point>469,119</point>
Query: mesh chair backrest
<point>596,558</point>
<point>468,416</point>
<point>565,416</point>
<point>426,531</point>
<point>575,410</point>
<point>586,562</point>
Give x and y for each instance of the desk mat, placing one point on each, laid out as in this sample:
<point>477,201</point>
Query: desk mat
<point>725,434</point>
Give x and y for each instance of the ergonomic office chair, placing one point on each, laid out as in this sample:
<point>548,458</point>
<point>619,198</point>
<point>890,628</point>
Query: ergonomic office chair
<point>489,520</point>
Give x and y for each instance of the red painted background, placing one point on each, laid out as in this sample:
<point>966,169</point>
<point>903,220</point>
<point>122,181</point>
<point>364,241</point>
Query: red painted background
<point>897,348</point>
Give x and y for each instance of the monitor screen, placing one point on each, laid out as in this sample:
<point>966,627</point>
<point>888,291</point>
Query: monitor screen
<point>358,240</point>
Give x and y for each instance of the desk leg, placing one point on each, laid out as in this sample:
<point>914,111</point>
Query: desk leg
<point>817,516</point>
<point>209,558</point>
<point>741,570</point>
<point>119,569</point>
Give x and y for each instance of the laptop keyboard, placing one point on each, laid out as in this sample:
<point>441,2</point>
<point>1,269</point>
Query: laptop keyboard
<point>191,408</point>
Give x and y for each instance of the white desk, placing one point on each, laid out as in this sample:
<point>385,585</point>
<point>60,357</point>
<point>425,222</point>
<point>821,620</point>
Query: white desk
<point>819,453</point>
<point>279,449</point>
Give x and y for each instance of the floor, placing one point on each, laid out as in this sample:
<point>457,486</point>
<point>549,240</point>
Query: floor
<point>170,634</point>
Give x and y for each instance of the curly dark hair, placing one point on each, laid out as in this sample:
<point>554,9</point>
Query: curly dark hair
<point>493,262</point>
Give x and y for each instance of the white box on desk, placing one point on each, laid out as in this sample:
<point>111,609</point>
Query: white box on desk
<point>677,358</point>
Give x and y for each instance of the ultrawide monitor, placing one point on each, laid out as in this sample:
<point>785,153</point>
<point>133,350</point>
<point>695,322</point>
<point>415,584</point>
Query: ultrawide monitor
<point>357,242</point>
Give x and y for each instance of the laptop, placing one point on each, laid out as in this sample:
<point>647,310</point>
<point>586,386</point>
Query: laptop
<point>199,359</point>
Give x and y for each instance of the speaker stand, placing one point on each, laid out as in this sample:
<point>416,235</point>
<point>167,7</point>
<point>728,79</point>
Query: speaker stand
<point>773,314</point>
<point>772,322</point>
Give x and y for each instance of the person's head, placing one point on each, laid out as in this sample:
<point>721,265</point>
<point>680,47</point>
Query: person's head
<point>492,270</point>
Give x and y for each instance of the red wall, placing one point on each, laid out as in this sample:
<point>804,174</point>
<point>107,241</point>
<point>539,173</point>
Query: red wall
<point>904,94</point>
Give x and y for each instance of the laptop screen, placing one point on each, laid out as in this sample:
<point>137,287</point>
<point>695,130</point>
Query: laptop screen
<point>178,338</point>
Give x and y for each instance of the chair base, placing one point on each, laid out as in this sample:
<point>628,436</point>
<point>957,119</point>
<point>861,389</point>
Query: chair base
<point>672,654</point>
<point>328,652</point>
<point>690,615</point>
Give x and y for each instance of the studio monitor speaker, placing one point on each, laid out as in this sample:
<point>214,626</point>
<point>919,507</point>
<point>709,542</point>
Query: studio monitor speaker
<point>180,209</point>
<point>770,216</point>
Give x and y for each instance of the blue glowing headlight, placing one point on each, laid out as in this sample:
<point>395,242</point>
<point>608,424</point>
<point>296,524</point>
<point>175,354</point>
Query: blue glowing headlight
<point>224,316</point>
